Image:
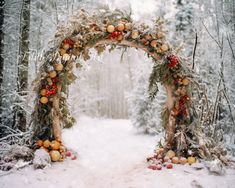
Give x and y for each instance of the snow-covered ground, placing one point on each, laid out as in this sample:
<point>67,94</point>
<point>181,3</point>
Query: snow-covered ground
<point>111,154</point>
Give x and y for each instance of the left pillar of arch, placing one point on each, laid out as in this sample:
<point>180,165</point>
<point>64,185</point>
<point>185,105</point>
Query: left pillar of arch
<point>56,114</point>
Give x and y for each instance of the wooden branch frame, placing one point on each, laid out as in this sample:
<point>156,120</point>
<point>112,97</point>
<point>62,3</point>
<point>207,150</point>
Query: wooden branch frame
<point>170,128</point>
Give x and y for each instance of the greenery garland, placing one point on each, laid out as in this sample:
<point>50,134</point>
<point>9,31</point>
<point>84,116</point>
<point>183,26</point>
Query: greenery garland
<point>84,32</point>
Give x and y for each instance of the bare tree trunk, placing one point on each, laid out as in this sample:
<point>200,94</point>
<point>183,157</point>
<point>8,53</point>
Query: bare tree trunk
<point>20,119</point>
<point>1,60</point>
<point>1,50</point>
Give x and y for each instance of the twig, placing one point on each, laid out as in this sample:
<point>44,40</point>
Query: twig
<point>216,102</point>
<point>211,35</point>
<point>194,51</point>
<point>230,45</point>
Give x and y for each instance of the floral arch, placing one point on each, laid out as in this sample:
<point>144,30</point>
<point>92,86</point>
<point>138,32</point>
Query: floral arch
<point>115,28</point>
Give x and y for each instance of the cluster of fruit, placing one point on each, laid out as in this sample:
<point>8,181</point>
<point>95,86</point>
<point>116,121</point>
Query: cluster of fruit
<point>55,149</point>
<point>153,40</point>
<point>160,160</point>
<point>50,86</point>
<point>117,32</point>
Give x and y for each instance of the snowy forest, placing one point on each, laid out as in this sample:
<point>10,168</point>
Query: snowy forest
<point>112,119</point>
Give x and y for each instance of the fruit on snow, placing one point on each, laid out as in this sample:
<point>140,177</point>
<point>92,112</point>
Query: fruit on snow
<point>169,166</point>
<point>46,144</point>
<point>175,160</point>
<point>68,154</point>
<point>158,167</point>
<point>170,154</point>
<point>55,155</point>
<point>166,159</point>
<point>153,167</point>
<point>183,160</point>
<point>191,160</point>
<point>55,145</point>
<point>39,143</point>
<point>74,157</point>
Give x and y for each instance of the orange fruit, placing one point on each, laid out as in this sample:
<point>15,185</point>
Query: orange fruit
<point>44,100</point>
<point>55,145</point>
<point>43,92</point>
<point>46,144</point>
<point>110,28</point>
<point>52,74</point>
<point>39,143</point>
<point>59,67</point>
<point>55,155</point>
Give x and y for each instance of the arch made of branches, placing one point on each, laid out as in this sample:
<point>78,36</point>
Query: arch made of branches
<point>116,29</point>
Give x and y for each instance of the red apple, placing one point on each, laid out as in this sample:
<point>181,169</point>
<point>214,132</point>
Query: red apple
<point>153,167</point>
<point>159,167</point>
<point>74,157</point>
<point>68,154</point>
<point>169,166</point>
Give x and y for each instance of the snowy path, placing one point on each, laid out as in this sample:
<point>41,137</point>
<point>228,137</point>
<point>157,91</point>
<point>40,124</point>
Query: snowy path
<point>111,155</point>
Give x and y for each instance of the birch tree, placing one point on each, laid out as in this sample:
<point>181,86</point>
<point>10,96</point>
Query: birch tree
<point>11,29</point>
<point>22,84</point>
